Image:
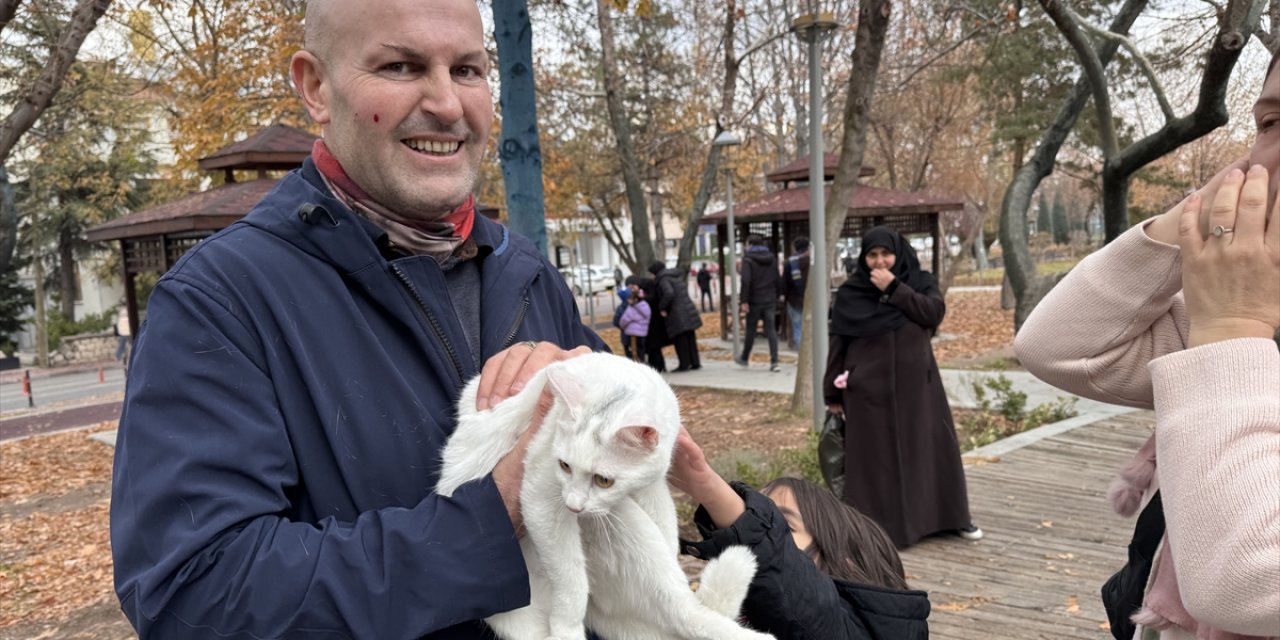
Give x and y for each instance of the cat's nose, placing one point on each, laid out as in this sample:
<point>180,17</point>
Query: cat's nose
<point>574,509</point>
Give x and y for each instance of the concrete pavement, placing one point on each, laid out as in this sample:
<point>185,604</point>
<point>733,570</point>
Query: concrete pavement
<point>724,374</point>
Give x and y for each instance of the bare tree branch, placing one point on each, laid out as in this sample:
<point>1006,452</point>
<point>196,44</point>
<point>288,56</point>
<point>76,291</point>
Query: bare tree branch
<point>83,19</point>
<point>8,8</point>
<point>1069,24</point>
<point>1156,87</point>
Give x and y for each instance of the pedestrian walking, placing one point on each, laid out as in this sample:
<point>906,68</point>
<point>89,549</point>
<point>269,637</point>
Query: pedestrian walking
<point>795,276</point>
<point>761,287</point>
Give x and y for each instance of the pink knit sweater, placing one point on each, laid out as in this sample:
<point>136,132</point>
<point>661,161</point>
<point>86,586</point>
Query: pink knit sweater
<point>1115,330</point>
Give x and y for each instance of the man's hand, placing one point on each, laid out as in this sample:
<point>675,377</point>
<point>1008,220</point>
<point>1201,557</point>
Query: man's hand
<point>881,278</point>
<point>1231,281</point>
<point>509,473</point>
<point>508,371</point>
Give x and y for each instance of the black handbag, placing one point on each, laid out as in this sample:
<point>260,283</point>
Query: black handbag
<point>831,452</point>
<point>1122,595</point>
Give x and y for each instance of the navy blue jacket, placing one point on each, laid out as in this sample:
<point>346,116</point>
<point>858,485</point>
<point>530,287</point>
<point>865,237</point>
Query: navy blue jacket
<point>287,403</point>
<point>791,599</point>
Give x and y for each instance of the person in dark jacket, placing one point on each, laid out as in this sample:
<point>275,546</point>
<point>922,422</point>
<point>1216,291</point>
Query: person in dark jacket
<point>761,286</point>
<point>902,460</point>
<point>704,288</point>
<point>657,338</point>
<point>680,315</point>
<point>795,277</point>
<point>296,379</point>
<point>824,569</point>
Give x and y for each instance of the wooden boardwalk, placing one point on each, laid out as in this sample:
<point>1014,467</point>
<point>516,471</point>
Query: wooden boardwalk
<point>1051,540</point>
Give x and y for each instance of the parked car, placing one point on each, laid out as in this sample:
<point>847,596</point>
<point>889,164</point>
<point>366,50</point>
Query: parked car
<point>584,278</point>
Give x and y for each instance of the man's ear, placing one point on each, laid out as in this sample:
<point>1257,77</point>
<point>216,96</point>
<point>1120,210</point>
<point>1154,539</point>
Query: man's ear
<point>311,81</point>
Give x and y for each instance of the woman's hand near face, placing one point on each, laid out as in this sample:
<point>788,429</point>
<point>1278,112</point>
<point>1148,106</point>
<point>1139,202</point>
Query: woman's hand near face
<point>881,278</point>
<point>1165,227</point>
<point>1232,281</point>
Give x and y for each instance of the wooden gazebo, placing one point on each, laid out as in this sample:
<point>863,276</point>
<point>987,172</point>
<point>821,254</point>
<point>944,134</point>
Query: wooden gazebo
<point>152,240</point>
<point>782,215</point>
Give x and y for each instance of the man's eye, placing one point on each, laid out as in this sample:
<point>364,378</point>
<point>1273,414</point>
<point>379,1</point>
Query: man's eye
<point>1268,124</point>
<point>467,72</point>
<point>396,68</point>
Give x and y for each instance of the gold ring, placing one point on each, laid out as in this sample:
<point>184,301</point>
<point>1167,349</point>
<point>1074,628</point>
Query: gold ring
<point>533,346</point>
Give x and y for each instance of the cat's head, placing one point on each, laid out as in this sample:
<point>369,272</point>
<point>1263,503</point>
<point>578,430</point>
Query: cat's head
<point>615,425</point>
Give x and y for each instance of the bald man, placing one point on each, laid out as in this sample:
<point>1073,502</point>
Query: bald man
<point>295,381</point>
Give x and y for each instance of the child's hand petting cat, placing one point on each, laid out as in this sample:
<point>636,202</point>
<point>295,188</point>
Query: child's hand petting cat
<point>691,474</point>
<point>509,370</point>
<point>509,473</point>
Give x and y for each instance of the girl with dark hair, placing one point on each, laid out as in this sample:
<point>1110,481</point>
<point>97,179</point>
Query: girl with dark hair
<point>824,569</point>
<point>902,459</point>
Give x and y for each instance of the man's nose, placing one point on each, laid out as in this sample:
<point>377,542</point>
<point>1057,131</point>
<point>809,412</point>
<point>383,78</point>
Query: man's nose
<point>440,96</point>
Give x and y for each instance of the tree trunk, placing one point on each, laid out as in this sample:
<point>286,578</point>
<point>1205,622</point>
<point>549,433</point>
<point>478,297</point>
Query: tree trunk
<point>519,148</point>
<point>1240,19</point>
<point>67,274</point>
<point>621,125</point>
<point>42,327</point>
<point>33,103</point>
<point>8,222</point>
<point>707,184</point>
<point>1019,268</point>
<point>873,24</point>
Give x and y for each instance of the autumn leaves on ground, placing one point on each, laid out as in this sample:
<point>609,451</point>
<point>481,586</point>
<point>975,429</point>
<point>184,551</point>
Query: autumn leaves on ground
<point>55,561</point>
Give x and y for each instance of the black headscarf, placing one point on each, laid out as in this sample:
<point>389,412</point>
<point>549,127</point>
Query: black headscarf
<point>861,309</point>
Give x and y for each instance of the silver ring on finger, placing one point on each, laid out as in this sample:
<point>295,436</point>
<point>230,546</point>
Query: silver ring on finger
<point>1219,231</point>
<point>533,346</point>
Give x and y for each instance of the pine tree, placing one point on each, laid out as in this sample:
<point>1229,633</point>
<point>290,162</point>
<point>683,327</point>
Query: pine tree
<point>1044,220</point>
<point>1061,226</point>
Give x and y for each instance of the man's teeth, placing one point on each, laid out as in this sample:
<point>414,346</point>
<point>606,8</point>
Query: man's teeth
<point>431,146</point>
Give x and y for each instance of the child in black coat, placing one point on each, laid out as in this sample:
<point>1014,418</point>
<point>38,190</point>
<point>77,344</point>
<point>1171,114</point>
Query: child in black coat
<point>826,571</point>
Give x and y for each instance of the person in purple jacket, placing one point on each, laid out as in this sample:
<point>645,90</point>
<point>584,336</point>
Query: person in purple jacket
<point>635,323</point>
<point>296,380</point>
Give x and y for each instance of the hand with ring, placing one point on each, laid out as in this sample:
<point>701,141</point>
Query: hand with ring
<point>508,371</point>
<point>1231,279</point>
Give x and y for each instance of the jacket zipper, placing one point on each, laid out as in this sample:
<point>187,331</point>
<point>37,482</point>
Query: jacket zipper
<point>431,319</point>
<point>515,326</point>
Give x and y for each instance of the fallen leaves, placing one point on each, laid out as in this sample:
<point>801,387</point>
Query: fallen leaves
<point>975,324</point>
<point>55,551</point>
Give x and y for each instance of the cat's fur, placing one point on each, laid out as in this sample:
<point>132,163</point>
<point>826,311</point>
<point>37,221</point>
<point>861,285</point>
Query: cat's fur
<point>611,567</point>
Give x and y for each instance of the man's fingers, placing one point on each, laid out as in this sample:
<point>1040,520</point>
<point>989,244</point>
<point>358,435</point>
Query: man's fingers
<point>500,373</point>
<point>1273,226</point>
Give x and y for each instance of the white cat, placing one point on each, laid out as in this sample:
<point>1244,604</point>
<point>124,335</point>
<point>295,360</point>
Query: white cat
<point>601,538</point>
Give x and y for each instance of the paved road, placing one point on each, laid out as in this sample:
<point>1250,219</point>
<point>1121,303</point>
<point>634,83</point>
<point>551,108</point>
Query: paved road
<point>59,389</point>
<point>59,420</point>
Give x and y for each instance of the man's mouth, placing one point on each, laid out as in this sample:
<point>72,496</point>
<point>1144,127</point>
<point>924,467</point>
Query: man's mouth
<point>433,147</point>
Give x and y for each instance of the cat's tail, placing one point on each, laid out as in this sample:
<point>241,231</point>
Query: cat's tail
<point>724,581</point>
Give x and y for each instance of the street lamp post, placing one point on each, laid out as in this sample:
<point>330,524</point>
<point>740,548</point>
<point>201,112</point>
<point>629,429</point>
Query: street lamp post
<point>812,28</point>
<point>589,291</point>
<point>729,139</point>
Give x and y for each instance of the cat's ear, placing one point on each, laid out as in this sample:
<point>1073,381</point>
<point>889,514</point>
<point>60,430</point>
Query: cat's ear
<point>644,439</point>
<point>567,388</point>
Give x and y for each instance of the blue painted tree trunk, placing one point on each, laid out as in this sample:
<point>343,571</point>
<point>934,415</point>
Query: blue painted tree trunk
<point>518,148</point>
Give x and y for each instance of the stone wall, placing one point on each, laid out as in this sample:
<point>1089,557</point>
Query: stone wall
<point>89,347</point>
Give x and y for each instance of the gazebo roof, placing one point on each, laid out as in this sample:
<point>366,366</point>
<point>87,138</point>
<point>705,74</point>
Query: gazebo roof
<point>277,148</point>
<point>204,211</point>
<point>793,204</point>
<point>799,169</point>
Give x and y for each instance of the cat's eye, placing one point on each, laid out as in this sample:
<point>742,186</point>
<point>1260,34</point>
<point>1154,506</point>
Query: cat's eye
<point>564,466</point>
<point>603,482</point>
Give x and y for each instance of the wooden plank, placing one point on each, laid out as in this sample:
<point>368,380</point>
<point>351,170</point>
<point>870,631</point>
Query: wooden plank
<point>1052,540</point>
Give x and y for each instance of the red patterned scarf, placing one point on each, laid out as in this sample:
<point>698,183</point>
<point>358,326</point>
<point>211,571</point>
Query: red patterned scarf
<point>438,238</point>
